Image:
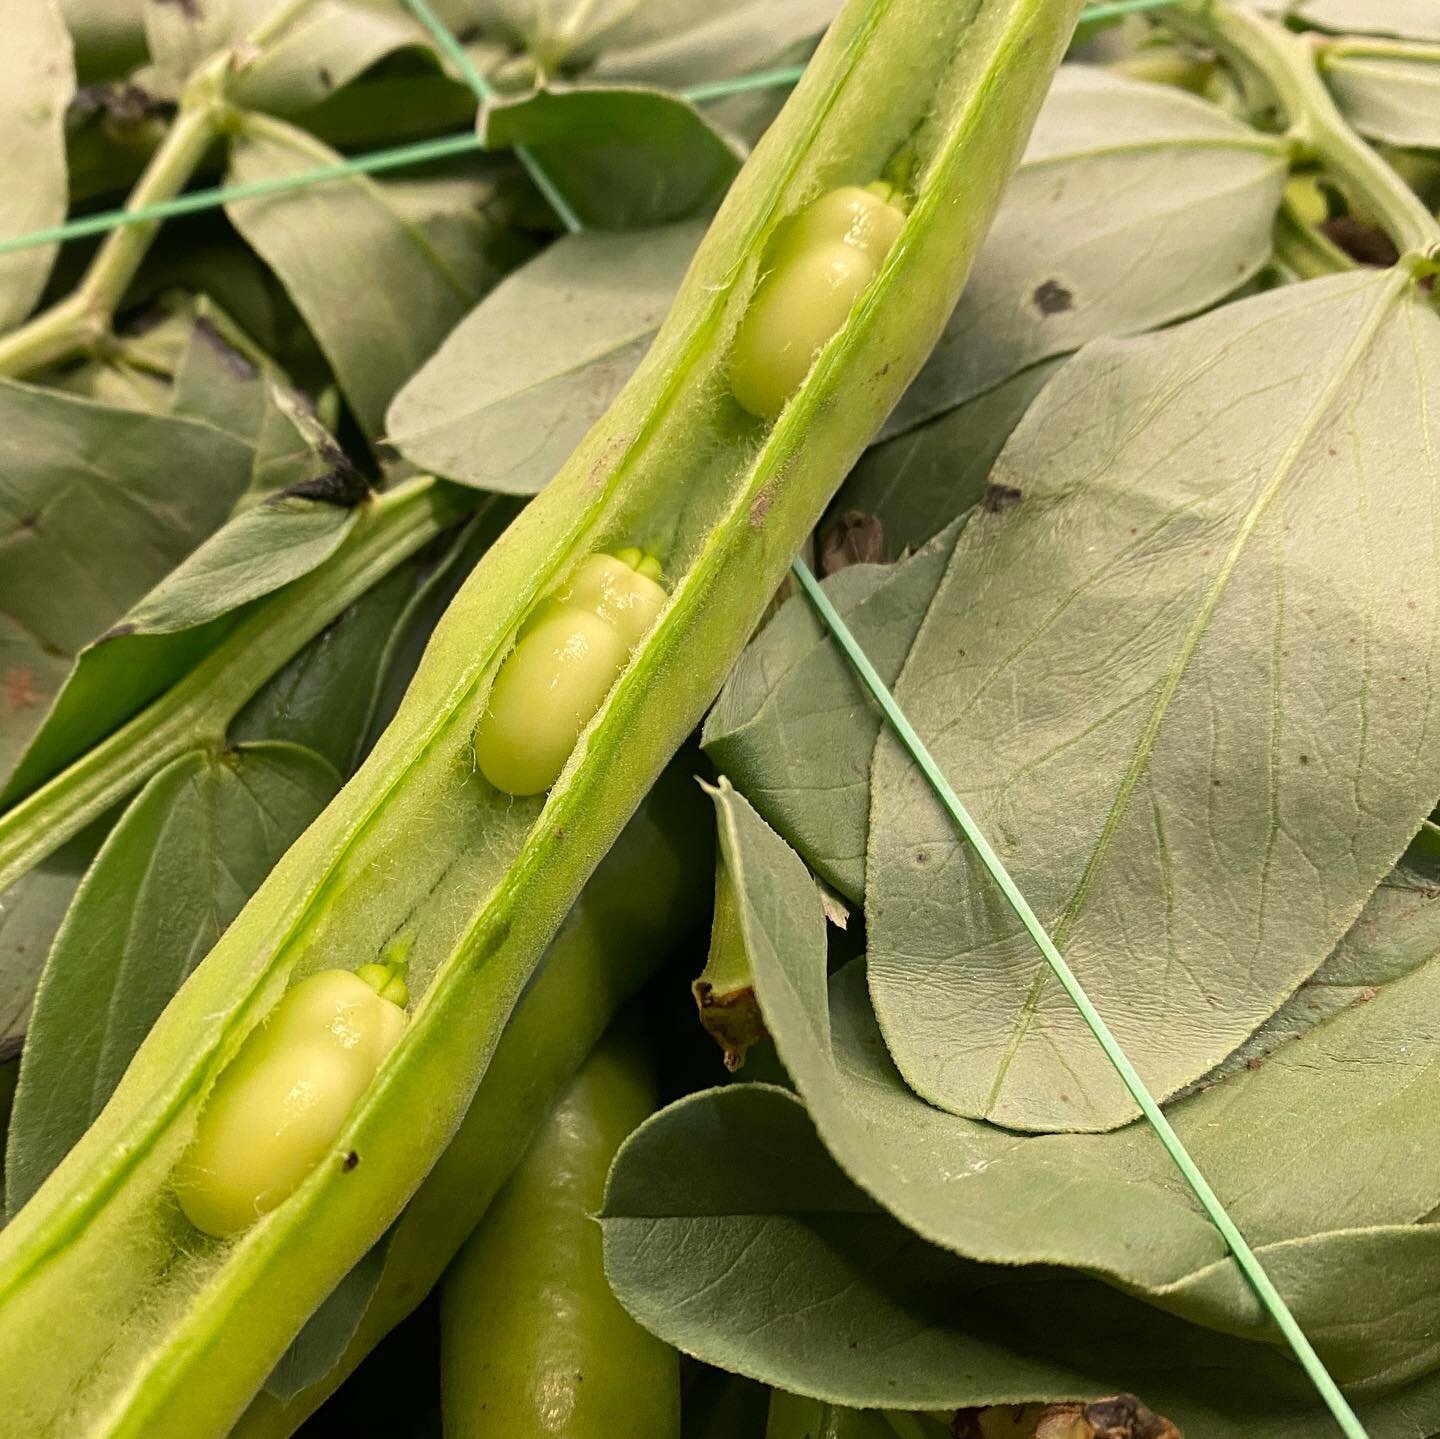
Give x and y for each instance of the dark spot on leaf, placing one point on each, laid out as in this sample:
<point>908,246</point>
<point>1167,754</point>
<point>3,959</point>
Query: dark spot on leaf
<point>326,78</point>
<point>190,9</point>
<point>854,539</point>
<point>1304,759</point>
<point>760,507</point>
<point>1411,605</point>
<point>1052,298</point>
<point>921,857</point>
<point>1362,241</point>
<point>236,363</point>
<point>350,1161</point>
<point>1253,1063</point>
<point>1216,783</point>
<point>999,497</point>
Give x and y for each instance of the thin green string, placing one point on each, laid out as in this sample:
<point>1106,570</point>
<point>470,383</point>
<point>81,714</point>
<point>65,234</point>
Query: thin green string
<point>1253,1270</point>
<point>195,200</point>
<point>485,94</point>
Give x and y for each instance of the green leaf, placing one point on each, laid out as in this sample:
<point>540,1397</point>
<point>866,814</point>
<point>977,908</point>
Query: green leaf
<point>1086,242</point>
<point>1398,930</point>
<point>184,616</point>
<point>623,157</point>
<point>1357,1091</point>
<point>527,372</point>
<point>1386,94</point>
<point>97,505</point>
<point>917,482</point>
<point>375,289</point>
<point>30,912</point>
<point>731,1234</point>
<point>791,727</point>
<point>1409,19</point>
<point>188,852</point>
<point>37,80</point>
<point>1166,657</point>
<point>328,46</point>
<point>675,43</point>
<point>326,697</point>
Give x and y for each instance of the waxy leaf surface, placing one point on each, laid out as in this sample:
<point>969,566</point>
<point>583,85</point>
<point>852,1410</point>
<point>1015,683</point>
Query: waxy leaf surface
<point>732,1234</point>
<point>97,505</point>
<point>37,79</point>
<point>1387,96</point>
<point>1185,685</point>
<point>521,379</point>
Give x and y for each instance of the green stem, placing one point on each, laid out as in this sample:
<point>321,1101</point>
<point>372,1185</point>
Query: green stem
<point>1285,62</point>
<point>198,708</point>
<point>82,319</point>
<point>1304,250</point>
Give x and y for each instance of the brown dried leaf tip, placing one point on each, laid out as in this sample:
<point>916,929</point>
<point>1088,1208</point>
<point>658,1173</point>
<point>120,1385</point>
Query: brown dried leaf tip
<point>731,1019</point>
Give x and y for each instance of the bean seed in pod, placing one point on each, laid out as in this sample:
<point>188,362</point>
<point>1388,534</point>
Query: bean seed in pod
<point>819,268</point>
<point>279,1105</point>
<point>562,667</point>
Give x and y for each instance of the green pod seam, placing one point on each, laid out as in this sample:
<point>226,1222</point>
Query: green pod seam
<point>647,895</point>
<point>164,1335</point>
<point>532,1341</point>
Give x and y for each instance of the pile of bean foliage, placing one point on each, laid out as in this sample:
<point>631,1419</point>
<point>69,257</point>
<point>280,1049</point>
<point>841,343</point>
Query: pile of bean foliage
<point>384,559</point>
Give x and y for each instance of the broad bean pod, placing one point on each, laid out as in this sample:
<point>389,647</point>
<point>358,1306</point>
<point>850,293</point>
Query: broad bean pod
<point>646,896</point>
<point>533,1345</point>
<point>166,1334</point>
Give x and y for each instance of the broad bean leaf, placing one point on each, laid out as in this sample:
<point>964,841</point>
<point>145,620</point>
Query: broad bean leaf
<point>732,1234</point>
<point>328,46</point>
<point>513,389</point>
<point>375,289</point>
<point>664,42</point>
<point>1112,1204</point>
<point>1387,96</point>
<point>97,505</point>
<point>1398,930</point>
<point>187,853</point>
<point>1087,242</point>
<point>1409,19</point>
<point>185,615</point>
<point>326,696</point>
<point>30,912</point>
<point>108,35</point>
<point>624,157</point>
<point>917,482</point>
<point>1157,679</point>
<point>37,79</point>
<point>792,728</point>
<point>679,42</point>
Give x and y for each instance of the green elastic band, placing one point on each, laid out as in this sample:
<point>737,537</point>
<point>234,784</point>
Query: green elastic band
<point>1253,1270</point>
<point>485,94</point>
<point>195,200</point>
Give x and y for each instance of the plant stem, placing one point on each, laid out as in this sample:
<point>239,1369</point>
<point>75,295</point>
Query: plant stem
<point>198,708</point>
<point>1286,63</point>
<point>82,319</point>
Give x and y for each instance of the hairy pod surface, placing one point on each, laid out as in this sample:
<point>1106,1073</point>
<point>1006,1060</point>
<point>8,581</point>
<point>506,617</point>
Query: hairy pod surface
<point>165,1336</point>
